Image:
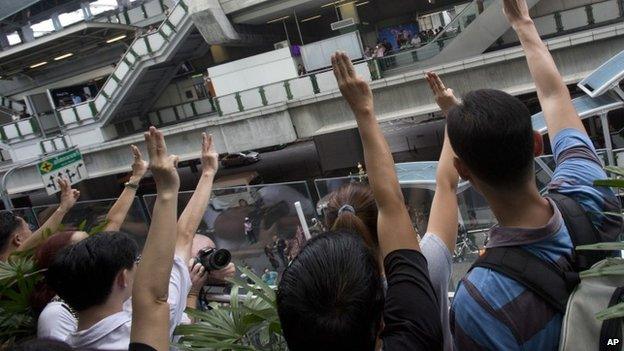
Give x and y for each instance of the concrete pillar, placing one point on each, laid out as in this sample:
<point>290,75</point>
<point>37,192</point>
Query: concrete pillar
<point>4,41</point>
<point>349,11</point>
<point>26,34</point>
<point>56,22</point>
<point>86,11</point>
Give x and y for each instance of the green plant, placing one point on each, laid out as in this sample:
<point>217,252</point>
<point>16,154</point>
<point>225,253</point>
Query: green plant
<point>617,268</point>
<point>18,279</point>
<point>249,322</point>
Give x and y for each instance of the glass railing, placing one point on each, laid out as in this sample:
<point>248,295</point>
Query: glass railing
<point>136,15</point>
<point>12,105</point>
<point>56,143</point>
<point>143,48</point>
<point>180,113</point>
<point>258,224</point>
<point>296,88</point>
<point>411,56</point>
<point>90,214</point>
<point>571,19</point>
<point>23,129</point>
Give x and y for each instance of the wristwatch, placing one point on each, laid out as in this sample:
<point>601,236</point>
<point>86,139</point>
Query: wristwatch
<point>131,185</point>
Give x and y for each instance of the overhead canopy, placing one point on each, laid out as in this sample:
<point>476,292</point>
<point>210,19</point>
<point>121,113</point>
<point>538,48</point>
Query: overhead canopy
<point>79,39</point>
<point>586,107</point>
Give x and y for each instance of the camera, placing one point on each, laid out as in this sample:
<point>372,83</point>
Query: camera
<point>213,259</point>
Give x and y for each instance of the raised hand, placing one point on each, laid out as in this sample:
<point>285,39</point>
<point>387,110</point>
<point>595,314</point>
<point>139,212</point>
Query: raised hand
<point>516,11</point>
<point>139,166</point>
<point>209,156</point>
<point>69,196</point>
<point>445,98</point>
<point>354,89</point>
<point>162,165</point>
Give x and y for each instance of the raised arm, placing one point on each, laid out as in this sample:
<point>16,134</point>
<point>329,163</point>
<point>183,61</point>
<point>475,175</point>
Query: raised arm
<point>552,92</point>
<point>150,310</point>
<point>443,218</point>
<point>191,217</point>
<point>117,214</point>
<point>395,228</point>
<point>69,197</point>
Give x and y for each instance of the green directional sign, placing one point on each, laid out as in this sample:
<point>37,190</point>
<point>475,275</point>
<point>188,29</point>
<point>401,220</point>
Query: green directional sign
<point>60,161</point>
<point>69,166</point>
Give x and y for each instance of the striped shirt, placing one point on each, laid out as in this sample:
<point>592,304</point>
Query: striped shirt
<point>492,311</point>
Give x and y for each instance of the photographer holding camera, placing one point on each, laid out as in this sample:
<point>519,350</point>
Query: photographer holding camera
<point>209,265</point>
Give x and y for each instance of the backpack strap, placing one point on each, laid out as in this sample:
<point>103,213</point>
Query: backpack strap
<point>581,230</point>
<point>542,278</point>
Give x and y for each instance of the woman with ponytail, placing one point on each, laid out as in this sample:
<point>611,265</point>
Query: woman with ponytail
<point>352,208</point>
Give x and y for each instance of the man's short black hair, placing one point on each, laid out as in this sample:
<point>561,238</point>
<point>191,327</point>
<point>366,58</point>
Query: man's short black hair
<point>330,297</point>
<point>491,132</point>
<point>9,223</point>
<point>83,274</point>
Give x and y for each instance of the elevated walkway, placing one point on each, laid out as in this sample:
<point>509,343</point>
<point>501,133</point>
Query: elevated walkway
<point>308,107</point>
<point>470,33</point>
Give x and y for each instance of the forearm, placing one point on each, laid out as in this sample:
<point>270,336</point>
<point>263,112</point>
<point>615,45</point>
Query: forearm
<point>193,213</point>
<point>118,213</point>
<point>547,79</point>
<point>446,175</point>
<point>380,164</point>
<point>443,219</point>
<point>49,227</point>
<point>153,274</point>
<point>552,91</point>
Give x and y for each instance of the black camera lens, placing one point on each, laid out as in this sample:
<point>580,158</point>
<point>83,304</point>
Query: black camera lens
<point>213,259</point>
<point>221,258</point>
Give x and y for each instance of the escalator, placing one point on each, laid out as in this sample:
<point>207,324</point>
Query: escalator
<point>469,34</point>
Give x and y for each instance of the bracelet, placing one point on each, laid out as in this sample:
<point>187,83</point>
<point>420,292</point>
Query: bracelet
<point>131,185</point>
<point>194,294</point>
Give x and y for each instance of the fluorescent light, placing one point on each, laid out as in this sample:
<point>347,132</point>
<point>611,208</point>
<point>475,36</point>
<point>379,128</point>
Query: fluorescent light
<point>345,4</point>
<point>39,64</point>
<point>112,40</point>
<point>311,18</point>
<point>332,3</point>
<point>69,54</point>
<point>362,3</point>
<point>278,19</point>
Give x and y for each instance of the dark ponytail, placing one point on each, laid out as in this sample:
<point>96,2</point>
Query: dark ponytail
<point>352,208</point>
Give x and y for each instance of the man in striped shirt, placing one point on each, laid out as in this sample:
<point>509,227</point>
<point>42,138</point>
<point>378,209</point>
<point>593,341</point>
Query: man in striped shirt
<point>492,136</point>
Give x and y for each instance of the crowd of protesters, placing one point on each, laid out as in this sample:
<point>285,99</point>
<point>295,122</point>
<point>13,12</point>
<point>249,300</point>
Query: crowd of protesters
<point>369,282</point>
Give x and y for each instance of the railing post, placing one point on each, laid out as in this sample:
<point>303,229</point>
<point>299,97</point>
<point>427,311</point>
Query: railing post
<point>217,106</point>
<point>265,102</point>
<point>558,22</point>
<point>315,85</point>
<point>239,101</point>
<point>289,94</point>
<point>19,132</point>
<point>589,9</point>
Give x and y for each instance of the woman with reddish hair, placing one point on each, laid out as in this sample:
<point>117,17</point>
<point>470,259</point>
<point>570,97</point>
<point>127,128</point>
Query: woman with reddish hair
<point>56,319</point>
